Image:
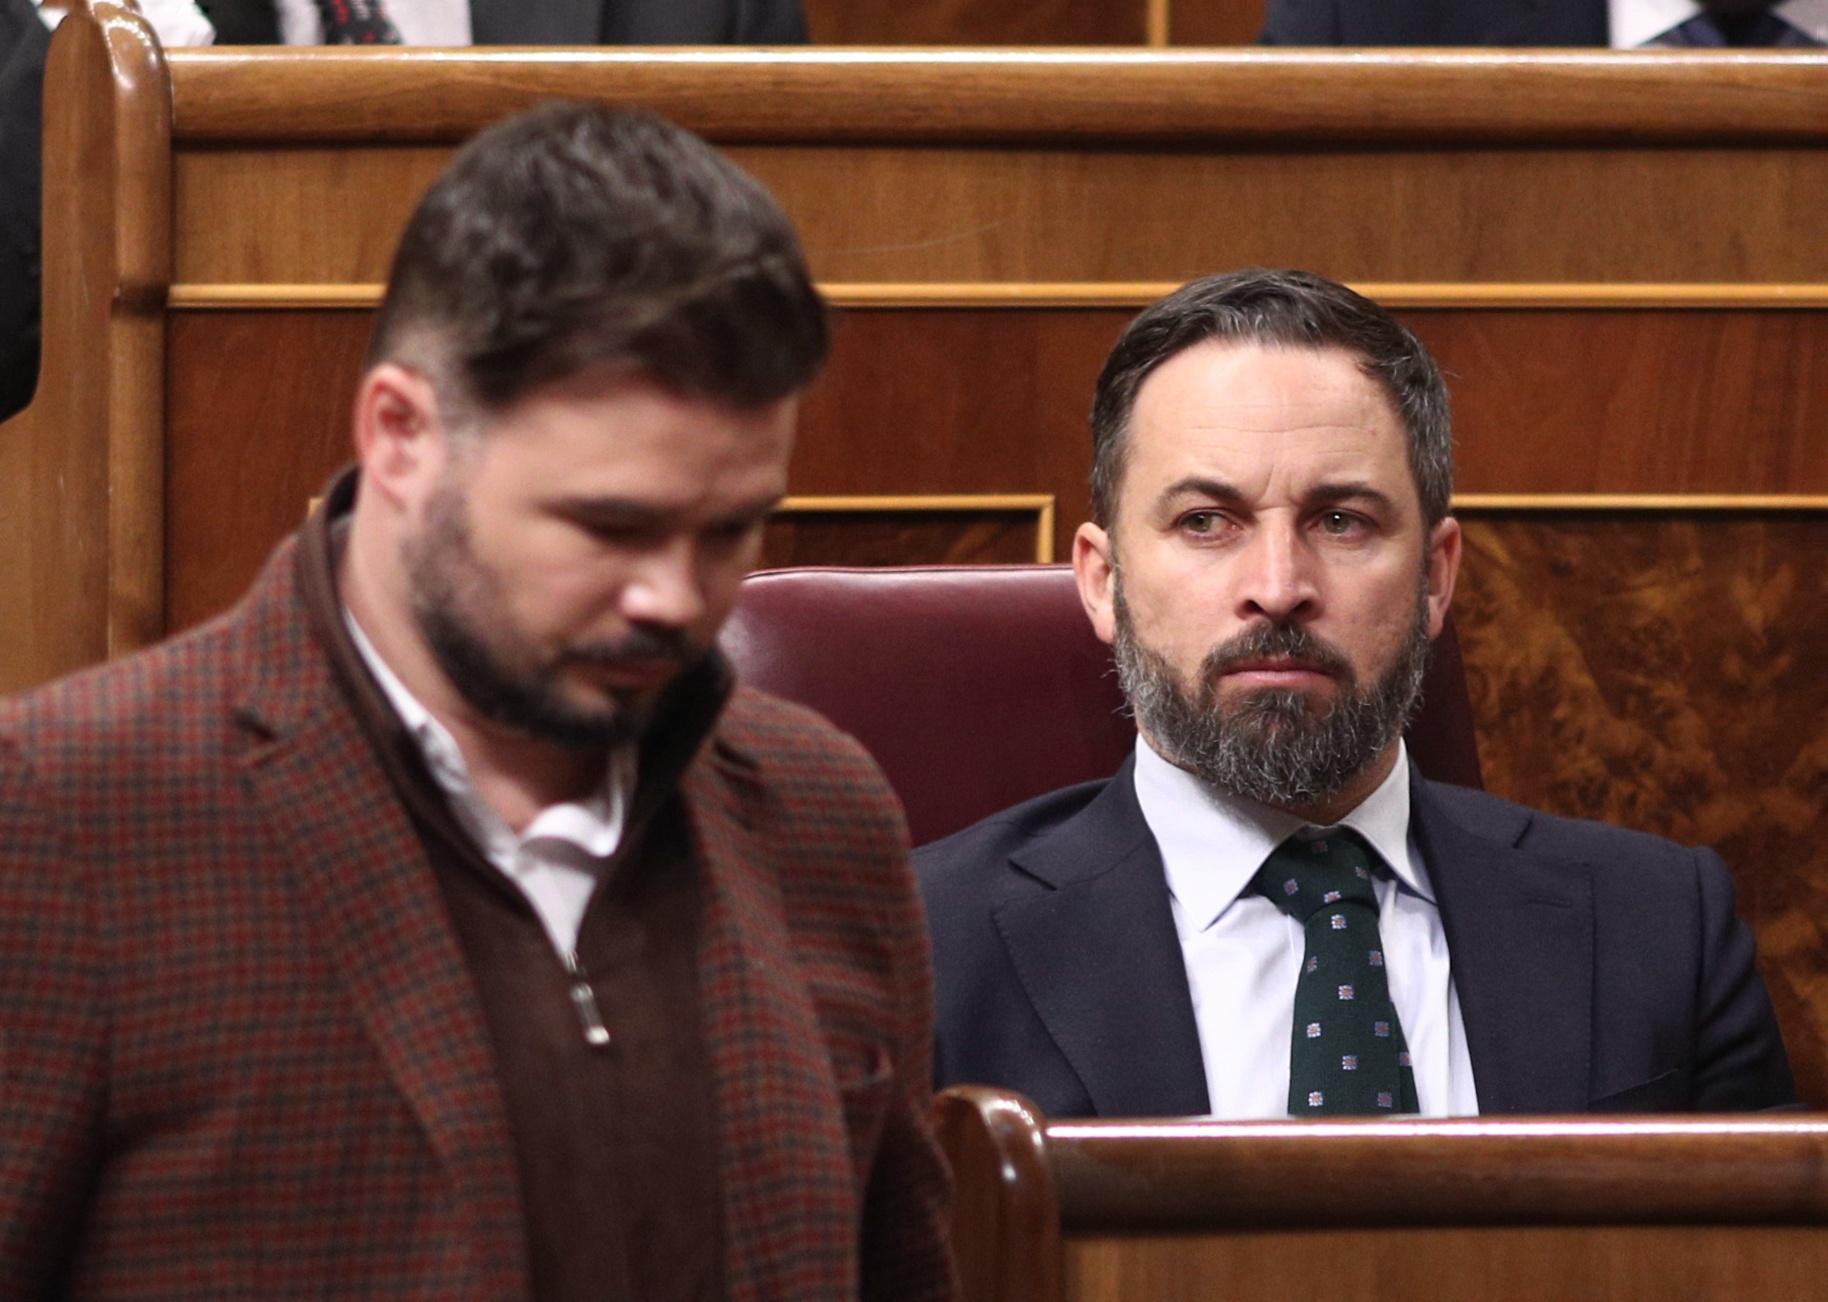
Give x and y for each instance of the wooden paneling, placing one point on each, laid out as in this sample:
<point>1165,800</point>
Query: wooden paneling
<point>905,535</point>
<point>1583,1264</point>
<point>975,22</point>
<point>1215,22</point>
<point>1547,401</point>
<point>934,213</point>
<point>259,419</point>
<point>378,97</point>
<point>1671,671</point>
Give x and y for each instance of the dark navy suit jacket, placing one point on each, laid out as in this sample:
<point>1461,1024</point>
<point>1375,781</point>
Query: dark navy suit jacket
<point>1597,969</point>
<point>1436,22</point>
<point>571,22</point>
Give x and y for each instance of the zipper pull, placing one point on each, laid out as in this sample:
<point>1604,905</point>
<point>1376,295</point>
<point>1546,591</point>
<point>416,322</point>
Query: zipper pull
<point>584,999</point>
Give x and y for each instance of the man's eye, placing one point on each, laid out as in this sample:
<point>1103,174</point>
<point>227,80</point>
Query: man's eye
<point>1200,521</point>
<point>731,533</point>
<point>1339,523</point>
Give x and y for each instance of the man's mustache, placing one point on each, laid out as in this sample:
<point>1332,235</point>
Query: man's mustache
<point>638,646</point>
<point>1275,642</point>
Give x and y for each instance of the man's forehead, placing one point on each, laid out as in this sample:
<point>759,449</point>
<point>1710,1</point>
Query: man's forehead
<point>1264,387</point>
<point>1224,400</point>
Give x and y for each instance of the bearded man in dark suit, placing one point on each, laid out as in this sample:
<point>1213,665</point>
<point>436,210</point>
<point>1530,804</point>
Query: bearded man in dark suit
<point>1267,911</point>
<point>442,921</point>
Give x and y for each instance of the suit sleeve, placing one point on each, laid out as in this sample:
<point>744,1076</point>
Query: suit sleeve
<point>906,1247</point>
<point>1301,22</point>
<point>24,43</point>
<point>53,1027</point>
<point>1740,1063</point>
<point>770,22</point>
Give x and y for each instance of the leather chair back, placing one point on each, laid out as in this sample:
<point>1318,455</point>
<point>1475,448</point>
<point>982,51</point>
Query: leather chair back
<point>979,686</point>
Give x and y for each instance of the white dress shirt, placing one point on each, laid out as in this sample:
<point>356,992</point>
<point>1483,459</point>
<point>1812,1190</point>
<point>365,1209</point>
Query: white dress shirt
<point>1636,23</point>
<point>558,861</point>
<point>1243,954</point>
<point>420,22</point>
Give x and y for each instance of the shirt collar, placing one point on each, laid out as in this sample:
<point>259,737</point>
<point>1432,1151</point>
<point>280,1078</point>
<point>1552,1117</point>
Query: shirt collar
<point>593,824</point>
<point>1635,22</point>
<point>1212,843</point>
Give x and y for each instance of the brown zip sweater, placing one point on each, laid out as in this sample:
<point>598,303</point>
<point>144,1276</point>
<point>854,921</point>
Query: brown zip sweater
<point>615,1142</point>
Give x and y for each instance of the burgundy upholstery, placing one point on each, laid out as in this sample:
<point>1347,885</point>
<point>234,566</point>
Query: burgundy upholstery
<point>978,686</point>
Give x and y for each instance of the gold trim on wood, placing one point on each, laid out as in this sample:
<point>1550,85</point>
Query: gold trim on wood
<point>201,297</point>
<point>1710,502</point>
<point>1118,294</point>
<point>1394,294</point>
<point>1042,504</point>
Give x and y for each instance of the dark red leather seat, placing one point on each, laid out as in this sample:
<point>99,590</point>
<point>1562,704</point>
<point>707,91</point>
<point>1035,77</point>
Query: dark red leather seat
<point>978,686</point>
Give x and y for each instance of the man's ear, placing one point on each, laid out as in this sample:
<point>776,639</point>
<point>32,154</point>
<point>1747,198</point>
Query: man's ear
<point>1443,571</point>
<point>399,434</point>
<point>1095,569</point>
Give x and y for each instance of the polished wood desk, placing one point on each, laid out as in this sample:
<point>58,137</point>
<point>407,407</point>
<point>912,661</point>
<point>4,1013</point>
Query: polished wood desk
<point>1574,1210</point>
<point>1618,258</point>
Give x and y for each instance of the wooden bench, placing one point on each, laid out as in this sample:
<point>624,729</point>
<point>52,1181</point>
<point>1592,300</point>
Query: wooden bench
<point>1486,1211</point>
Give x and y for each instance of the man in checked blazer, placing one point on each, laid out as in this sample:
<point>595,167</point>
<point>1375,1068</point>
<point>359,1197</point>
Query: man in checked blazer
<point>441,922</point>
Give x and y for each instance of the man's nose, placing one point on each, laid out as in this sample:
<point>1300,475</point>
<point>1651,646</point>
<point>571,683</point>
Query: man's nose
<point>665,587</point>
<point>1277,579</point>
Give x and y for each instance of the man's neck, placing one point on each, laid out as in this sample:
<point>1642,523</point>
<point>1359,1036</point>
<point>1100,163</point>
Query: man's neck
<point>514,774</point>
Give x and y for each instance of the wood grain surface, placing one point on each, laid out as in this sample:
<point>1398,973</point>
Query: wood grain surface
<point>373,96</point>
<point>1215,22</point>
<point>1402,211</point>
<point>1667,673</point>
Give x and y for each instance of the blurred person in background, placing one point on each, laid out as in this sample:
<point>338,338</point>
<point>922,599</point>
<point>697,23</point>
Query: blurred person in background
<point>1621,24</point>
<point>508,22</point>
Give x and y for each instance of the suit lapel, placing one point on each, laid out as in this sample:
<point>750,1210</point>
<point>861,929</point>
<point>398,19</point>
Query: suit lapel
<point>374,907</point>
<point>1520,933</point>
<point>1097,954</point>
<point>781,1145</point>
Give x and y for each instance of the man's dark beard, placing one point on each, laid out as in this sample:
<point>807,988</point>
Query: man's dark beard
<point>448,588</point>
<point>1274,747</point>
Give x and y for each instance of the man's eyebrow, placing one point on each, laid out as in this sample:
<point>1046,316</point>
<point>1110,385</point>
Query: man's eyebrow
<point>628,513</point>
<point>1347,490</point>
<point>1333,490</point>
<point>1200,486</point>
<point>614,512</point>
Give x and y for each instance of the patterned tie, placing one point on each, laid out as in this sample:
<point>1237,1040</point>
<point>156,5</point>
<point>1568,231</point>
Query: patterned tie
<point>357,22</point>
<point>1347,1056</point>
<point>1759,28</point>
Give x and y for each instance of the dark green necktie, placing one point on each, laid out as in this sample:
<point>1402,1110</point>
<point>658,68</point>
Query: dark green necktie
<point>1347,1056</point>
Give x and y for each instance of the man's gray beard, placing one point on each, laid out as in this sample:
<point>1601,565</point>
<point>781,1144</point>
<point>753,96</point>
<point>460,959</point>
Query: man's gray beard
<point>1274,747</point>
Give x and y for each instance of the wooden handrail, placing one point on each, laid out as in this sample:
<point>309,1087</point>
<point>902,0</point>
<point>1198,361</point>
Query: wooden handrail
<point>1709,1170</point>
<point>1171,97</point>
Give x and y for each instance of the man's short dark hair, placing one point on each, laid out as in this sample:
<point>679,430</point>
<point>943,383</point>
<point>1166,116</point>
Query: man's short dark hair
<point>575,236</point>
<point>1295,309</point>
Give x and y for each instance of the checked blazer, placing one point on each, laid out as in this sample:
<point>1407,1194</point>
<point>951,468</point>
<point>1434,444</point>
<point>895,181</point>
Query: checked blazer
<point>241,1055</point>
